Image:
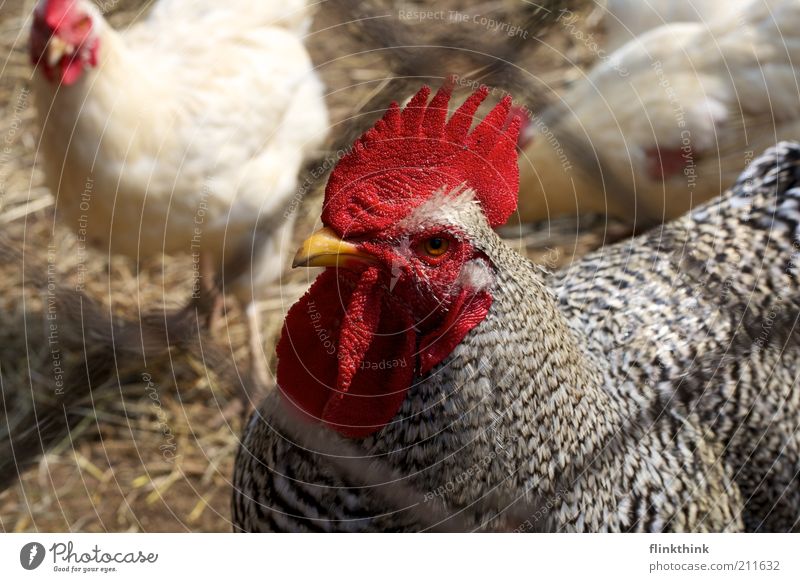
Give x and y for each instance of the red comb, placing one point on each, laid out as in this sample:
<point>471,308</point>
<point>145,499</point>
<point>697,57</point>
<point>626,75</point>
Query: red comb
<point>55,11</point>
<point>411,154</point>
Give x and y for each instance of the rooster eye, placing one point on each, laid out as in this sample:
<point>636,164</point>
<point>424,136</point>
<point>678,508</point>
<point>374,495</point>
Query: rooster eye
<point>436,246</point>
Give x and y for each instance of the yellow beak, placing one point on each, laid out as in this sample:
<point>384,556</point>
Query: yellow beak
<point>57,48</point>
<point>325,249</point>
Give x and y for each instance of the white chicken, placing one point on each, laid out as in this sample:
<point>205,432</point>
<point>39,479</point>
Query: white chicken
<point>627,19</point>
<point>673,116</point>
<point>180,133</point>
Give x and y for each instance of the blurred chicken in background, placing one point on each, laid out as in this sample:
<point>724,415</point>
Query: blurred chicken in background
<point>625,20</point>
<point>668,120</point>
<point>180,133</point>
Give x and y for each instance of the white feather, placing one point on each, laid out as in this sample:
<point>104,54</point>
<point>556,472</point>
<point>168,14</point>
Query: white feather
<point>717,91</point>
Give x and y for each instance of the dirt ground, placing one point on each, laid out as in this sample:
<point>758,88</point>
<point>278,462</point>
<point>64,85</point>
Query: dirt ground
<point>111,474</point>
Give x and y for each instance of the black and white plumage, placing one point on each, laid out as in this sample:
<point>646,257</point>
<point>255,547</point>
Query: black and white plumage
<point>649,387</point>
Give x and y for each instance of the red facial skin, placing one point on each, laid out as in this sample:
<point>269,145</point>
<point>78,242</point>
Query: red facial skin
<point>422,281</point>
<point>387,322</point>
<point>73,26</point>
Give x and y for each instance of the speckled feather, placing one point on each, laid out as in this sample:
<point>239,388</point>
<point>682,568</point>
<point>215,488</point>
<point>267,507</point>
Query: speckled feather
<point>650,387</point>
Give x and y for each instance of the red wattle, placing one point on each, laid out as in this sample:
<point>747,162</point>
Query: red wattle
<point>71,71</point>
<point>358,328</point>
<point>321,345</point>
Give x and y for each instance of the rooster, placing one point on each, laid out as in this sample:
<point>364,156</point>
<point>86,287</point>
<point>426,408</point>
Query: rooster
<point>625,394</point>
<point>179,134</point>
<point>672,118</point>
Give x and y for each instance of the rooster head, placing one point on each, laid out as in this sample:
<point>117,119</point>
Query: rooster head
<point>407,215</point>
<point>64,40</point>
